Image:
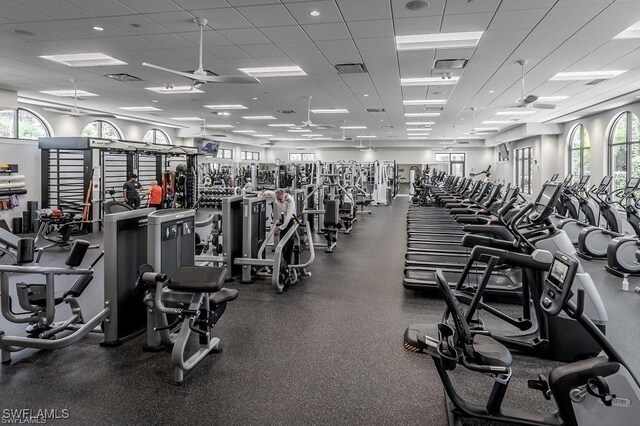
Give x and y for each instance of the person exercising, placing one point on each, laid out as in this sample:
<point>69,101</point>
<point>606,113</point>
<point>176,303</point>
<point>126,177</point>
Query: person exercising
<point>285,205</point>
<point>248,186</point>
<point>131,191</point>
<point>487,177</point>
<point>155,195</point>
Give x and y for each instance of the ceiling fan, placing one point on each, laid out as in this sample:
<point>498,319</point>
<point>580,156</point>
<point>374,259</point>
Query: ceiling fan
<point>203,130</point>
<point>528,101</point>
<point>74,111</point>
<point>201,76</point>
<point>360,146</point>
<point>369,149</point>
<point>344,137</point>
<point>309,124</point>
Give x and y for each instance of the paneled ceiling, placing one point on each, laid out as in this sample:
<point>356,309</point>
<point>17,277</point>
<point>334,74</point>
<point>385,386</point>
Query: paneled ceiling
<point>554,35</point>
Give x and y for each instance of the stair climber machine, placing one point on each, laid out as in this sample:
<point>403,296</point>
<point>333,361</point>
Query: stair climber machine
<point>256,242</point>
<point>568,206</point>
<point>593,241</point>
<point>594,391</point>
<point>589,210</point>
<point>622,251</point>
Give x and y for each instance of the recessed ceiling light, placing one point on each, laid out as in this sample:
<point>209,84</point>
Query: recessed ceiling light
<point>417,137</point>
<point>68,93</point>
<point>84,60</point>
<point>586,75</point>
<point>140,108</point>
<point>255,99</point>
<point>515,112</point>
<point>552,98</point>
<point>154,101</point>
<point>425,102</point>
<point>233,106</point>
<point>288,71</point>
<point>366,95</point>
<point>219,126</point>
<point>175,90</point>
<point>492,91</point>
<point>353,127</point>
<point>421,114</point>
<point>312,135</point>
<point>330,111</point>
<point>281,125</point>
<point>314,13</point>
<point>98,28</point>
<point>321,139</point>
<point>631,32</point>
<point>243,131</point>
<point>187,118</point>
<point>438,41</point>
<point>498,122</point>
<point>259,117</point>
<point>428,81</point>
<point>299,130</point>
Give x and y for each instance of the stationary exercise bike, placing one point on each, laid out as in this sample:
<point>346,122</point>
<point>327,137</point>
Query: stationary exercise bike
<point>593,241</point>
<point>594,391</point>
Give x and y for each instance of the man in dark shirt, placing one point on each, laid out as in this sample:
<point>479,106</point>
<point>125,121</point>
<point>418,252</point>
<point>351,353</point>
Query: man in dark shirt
<point>130,190</point>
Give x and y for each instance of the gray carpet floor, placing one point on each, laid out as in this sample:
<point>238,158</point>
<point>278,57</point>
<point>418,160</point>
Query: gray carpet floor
<point>328,351</point>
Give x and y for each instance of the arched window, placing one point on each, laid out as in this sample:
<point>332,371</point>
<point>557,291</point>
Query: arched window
<point>624,148</point>
<point>101,129</point>
<point>579,151</point>
<point>157,136</point>
<point>22,124</point>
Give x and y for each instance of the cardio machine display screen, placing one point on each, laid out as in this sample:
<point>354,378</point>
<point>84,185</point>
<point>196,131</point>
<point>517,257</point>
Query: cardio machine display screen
<point>546,195</point>
<point>568,180</point>
<point>559,271</point>
<point>605,181</point>
<point>633,182</point>
<point>585,180</point>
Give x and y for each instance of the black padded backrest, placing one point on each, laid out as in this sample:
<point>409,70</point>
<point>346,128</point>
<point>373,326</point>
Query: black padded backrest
<point>116,207</point>
<point>24,250</point>
<point>76,255</point>
<point>331,213</point>
<point>7,238</point>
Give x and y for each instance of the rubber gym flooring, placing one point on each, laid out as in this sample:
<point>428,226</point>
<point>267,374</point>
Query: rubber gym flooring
<point>328,351</point>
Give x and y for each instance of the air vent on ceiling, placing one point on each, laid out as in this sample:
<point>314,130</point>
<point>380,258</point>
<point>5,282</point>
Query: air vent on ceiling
<point>268,144</point>
<point>463,142</point>
<point>286,111</point>
<point>123,77</point>
<point>24,33</point>
<point>596,81</point>
<point>386,127</point>
<point>375,109</point>
<point>432,108</point>
<point>350,68</point>
<point>414,5</point>
<point>450,64</point>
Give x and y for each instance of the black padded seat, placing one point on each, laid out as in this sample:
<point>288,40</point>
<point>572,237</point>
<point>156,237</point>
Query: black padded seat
<point>489,351</point>
<point>206,279</point>
<point>223,295</point>
<point>116,207</point>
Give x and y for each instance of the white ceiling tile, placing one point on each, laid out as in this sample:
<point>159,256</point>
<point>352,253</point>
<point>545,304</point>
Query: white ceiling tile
<point>435,8</point>
<point>137,24</point>
<point>237,3</point>
<point>364,10</point>
<point>423,25</point>
<point>262,50</point>
<point>87,24</point>
<point>210,38</point>
<point>327,8</point>
<point>379,44</point>
<point>174,21</point>
<point>337,46</point>
<point>102,7</point>
<point>285,34</point>
<point>343,58</point>
<point>133,43</point>
<point>271,15</point>
<point>274,61</point>
<point>517,19</point>
<point>230,52</point>
<point>330,31</point>
<point>199,4</point>
<point>463,6</point>
<point>367,29</point>
<point>466,22</point>
<point>58,9</point>
<point>526,4</point>
<point>244,36</point>
<point>169,41</point>
<point>152,6</point>
<point>223,19</point>
<point>7,30</point>
<point>17,13</point>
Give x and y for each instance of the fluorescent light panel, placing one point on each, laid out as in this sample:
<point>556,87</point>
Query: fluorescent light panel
<point>289,71</point>
<point>262,136</point>
<point>498,122</point>
<point>631,32</point>
<point>243,131</point>
<point>232,106</point>
<point>552,98</point>
<point>299,131</point>
<point>84,60</point>
<point>68,93</point>
<point>281,125</point>
<point>259,117</point>
<point>330,111</point>
<point>420,123</point>
<point>515,112</point>
<point>425,102</point>
<point>487,129</point>
<point>422,114</point>
<point>366,136</point>
<point>176,90</point>
<point>586,75</point>
<point>187,118</point>
<point>428,81</point>
<point>353,127</point>
<point>312,135</point>
<point>438,41</point>
<point>219,126</point>
<point>140,109</point>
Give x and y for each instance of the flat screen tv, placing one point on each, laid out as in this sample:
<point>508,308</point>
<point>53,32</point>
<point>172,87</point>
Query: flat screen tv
<point>209,147</point>
<point>503,152</point>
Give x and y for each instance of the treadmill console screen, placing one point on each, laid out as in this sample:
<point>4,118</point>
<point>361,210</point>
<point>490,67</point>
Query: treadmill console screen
<point>557,286</point>
<point>554,177</point>
<point>584,180</point>
<point>632,184</point>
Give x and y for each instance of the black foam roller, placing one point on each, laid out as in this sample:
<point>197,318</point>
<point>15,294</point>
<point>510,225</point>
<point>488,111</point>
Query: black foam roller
<point>16,225</point>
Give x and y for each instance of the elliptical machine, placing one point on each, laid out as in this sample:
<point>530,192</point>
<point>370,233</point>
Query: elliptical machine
<point>588,207</point>
<point>593,240</point>
<point>598,390</point>
<point>621,251</point>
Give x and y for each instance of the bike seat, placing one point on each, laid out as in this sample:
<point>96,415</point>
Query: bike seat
<point>223,295</point>
<point>206,279</point>
<point>489,351</point>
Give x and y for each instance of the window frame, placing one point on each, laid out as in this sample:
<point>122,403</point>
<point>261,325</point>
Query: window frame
<point>250,155</point>
<point>583,131</point>
<point>629,144</point>
<point>16,123</point>
<point>295,154</point>
<point>101,124</point>
<point>224,154</point>
<point>154,136</point>
<point>521,178</point>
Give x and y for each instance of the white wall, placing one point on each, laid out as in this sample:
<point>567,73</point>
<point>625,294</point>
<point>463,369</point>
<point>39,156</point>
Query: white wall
<point>27,155</point>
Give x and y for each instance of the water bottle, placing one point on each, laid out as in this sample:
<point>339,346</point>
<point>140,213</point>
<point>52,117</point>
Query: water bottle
<point>625,283</point>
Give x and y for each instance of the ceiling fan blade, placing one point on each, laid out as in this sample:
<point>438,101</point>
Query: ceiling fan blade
<point>327,126</point>
<point>544,106</point>
<point>529,99</point>
<point>240,79</point>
